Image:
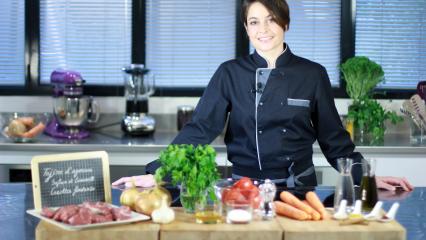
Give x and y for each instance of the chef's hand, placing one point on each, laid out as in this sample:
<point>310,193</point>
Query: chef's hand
<point>391,183</point>
<point>138,181</point>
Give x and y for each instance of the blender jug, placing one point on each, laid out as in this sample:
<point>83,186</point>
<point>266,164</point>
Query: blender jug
<point>138,86</point>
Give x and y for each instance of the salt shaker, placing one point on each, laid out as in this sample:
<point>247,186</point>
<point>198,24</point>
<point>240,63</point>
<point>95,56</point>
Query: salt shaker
<point>267,194</point>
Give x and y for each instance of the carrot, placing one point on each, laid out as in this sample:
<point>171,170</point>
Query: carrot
<point>287,210</point>
<point>27,121</point>
<point>313,200</point>
<point>34,131</point>
<point>289,198</point>
<point>314,215</point>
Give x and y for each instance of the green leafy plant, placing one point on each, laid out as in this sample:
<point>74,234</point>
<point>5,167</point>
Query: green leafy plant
<point>361,76</point>
<point>368,115</point>
<point>192,167</point>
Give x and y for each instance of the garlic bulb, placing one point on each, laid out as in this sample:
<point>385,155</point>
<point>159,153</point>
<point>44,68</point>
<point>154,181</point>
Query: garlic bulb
<point>164,214</point>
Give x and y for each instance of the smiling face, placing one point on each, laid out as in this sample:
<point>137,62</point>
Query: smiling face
<point>264,33</point>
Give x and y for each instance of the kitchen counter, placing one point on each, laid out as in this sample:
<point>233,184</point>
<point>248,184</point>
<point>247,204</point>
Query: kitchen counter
<point>126,150</point>
<point>108,135</point>
<point>15,199</point>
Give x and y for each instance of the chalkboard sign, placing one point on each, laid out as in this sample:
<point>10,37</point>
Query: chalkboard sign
<point>70,178</point>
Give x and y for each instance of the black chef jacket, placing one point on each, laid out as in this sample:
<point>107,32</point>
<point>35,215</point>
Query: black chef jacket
<point>274,117</point>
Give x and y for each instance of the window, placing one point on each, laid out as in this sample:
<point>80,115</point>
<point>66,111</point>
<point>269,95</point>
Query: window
<point>186,40</point>
<point>91,37</point>
<point>393,34</point>
<point>315,33</point>
<point>12,42</point>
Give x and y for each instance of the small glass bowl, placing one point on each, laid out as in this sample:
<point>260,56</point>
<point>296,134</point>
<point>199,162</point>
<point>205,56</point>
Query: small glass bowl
<point>238,204</point>
<point>7,118</point>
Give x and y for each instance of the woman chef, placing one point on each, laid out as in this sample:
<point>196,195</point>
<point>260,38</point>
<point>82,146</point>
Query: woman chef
<point>277,105</point>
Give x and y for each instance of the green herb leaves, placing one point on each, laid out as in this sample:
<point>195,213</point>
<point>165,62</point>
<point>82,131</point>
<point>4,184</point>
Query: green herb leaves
<point>361,75</point>
<point>193,167</point>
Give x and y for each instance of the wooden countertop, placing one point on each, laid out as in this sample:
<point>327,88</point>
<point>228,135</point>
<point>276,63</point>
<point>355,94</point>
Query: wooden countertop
<point>185,228</point>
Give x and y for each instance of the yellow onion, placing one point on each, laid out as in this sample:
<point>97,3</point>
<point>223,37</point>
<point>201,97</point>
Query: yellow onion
<point>128,197</point>
<point>151,199</point>
<point>16,128</point>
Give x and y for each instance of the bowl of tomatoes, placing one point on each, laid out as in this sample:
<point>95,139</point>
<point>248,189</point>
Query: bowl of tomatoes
<point>239,198</point>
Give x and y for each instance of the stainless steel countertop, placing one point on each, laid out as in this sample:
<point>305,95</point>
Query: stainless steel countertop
<point>107,135</point>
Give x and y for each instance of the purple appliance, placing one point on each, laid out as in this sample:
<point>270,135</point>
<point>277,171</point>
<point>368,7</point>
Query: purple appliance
<point>71,109</point>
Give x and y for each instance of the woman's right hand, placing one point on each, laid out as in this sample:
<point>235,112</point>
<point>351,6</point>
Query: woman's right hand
<point>137,181</point>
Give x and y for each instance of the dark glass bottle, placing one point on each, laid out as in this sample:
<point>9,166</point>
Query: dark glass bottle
<point>368,188</point>
<point>368,192</point>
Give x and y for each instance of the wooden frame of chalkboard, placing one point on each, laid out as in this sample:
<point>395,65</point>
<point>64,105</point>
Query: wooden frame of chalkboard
<point>70,178</point>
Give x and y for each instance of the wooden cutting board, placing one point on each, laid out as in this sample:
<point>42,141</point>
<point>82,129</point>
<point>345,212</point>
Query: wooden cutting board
<point>140,230</point>
<point>185,228</point>
<point>331,230</point>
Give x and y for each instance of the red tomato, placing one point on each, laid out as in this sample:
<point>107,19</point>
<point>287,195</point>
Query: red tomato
<point>251,192</point>
<point>232,195</point>
<point>256,202</point>
<point>244,183</point>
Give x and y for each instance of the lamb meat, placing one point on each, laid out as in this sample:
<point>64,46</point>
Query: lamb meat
<point>121,213</point>
<point>48,212</point>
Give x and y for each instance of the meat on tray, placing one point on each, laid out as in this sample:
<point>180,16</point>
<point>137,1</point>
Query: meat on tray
<point>87,213</point>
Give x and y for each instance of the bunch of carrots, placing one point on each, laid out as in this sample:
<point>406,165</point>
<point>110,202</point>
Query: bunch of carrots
<point>309,209</point>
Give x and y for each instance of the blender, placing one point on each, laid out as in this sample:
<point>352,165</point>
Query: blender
<point>71,109</point>
<point>138,87</point>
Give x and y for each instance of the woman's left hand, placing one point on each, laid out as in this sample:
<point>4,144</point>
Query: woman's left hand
<point>391,183</point>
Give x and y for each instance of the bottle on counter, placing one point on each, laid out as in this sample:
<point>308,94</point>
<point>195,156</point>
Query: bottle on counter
<point>368,188</point>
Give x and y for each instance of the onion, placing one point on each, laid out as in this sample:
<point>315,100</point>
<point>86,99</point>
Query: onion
<point>16,128</point>
<point>151,199</point>
<point>128,197</point>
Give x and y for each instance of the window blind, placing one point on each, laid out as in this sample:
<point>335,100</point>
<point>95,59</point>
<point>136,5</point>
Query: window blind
<point>187,40</point>
<point>315,33</point>
<point>393,34</point>
<point>12,42</point>
<point>92,37</point>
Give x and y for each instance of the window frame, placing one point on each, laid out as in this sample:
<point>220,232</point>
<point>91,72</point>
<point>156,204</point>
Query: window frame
<point>32,86</point>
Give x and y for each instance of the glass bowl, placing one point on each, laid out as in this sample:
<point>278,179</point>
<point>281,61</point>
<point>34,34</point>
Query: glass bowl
<point>239,202</point>
<point>31,124</point>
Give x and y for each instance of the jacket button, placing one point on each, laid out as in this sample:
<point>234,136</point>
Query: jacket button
<point>287,158</point>
<point>261,103</point>
<point>260,131</point>
<point>284,130</point>
<point>260,72</point>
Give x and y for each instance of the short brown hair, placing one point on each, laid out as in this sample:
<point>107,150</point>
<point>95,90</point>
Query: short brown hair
<point>277,8</point>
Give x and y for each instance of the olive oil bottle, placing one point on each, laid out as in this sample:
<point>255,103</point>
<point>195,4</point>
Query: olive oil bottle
<point>368,189</point>
<point>368,192</point>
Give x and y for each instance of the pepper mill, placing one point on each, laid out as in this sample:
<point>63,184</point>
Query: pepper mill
<point>267,193</point>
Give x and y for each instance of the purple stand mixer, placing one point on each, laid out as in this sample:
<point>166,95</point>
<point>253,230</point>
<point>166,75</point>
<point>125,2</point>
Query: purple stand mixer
<point>70,107</point>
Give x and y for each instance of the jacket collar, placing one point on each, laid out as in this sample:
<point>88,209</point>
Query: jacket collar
<point>282,60</point>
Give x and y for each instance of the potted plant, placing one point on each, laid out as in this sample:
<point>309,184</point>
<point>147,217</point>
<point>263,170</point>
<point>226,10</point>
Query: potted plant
<point>194,168</point>
<point>368,116</point>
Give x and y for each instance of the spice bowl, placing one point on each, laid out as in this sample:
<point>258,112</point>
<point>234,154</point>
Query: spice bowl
<point>208,211</point>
